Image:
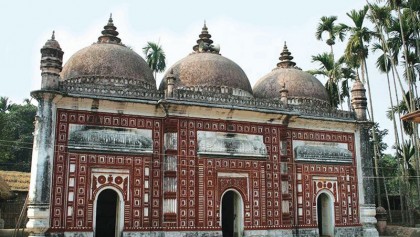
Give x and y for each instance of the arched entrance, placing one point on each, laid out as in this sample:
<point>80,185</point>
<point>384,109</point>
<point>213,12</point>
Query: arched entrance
<point>107,214</point>
<point>325,214</point>
<point>232,218</point>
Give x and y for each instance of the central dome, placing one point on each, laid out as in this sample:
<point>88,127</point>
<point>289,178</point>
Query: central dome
<point>206,68</point>
<point>108,58</point>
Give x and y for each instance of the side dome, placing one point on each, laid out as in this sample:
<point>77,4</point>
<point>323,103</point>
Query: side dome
<point>206,69</point>
<point>108,58</point>
<point>299,84</point>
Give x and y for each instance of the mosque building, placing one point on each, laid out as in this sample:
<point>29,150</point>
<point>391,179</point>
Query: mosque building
<point>205,154</point>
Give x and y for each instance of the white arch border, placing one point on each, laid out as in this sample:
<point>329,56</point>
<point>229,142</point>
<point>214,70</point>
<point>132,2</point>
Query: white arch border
<point>241,227</point>
<point>120,213</point>
<point>332,200</point>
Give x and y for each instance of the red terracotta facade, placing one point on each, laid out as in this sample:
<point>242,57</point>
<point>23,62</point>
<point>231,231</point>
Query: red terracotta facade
<point>272,180</point>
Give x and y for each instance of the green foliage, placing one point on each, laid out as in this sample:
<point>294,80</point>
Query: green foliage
<point>380,134</point>
<point>389,168</point>
<point>16,139</point>
<point>406,153</point>
<point>335,72</point>
<point>327,25</point>
<point>402,109</point>
<point>155,57</point>
<point>359,35</point>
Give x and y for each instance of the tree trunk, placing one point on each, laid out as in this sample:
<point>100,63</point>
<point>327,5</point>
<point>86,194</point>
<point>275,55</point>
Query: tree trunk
<point>401,191</point>
<point>387,198</point>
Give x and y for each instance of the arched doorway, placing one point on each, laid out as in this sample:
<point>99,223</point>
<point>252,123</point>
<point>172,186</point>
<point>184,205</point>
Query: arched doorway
<point>232,218</point>
<point>107,214</point>
<point>325,215</point>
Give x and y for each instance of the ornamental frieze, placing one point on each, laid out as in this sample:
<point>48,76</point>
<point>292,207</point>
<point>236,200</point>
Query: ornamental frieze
<point>110,177</point>
<point>103,138</point>
<point>232,144</point>
<point>322,152</point>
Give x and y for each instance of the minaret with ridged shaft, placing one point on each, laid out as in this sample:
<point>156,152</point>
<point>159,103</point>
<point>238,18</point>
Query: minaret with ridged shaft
<point>359,100</point>
<point>51,64</point>
<point>44,136</point>
<point>365,166</point>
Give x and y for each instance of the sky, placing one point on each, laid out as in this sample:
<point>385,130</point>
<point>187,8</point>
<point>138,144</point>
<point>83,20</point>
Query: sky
<point>251,33</point>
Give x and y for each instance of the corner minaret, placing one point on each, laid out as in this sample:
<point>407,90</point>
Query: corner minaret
<point>44,136</point>
<point>170,82</point>
<point>51,64</point>
<point>364,161</point>
<point>283,95</point>
<point>359,100</point>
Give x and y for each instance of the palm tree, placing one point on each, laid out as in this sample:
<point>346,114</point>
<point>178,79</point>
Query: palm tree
<point>402,35</point>
<point>327,25</point>
<point>155,57</point>
<point>359,35</point>
<point>405,154</point>
<point>414,6</point>
<point>335,72</point>
<point>5,104</point>
<point>402,108</point>
<point>382,16</point>
<point>347,74</point>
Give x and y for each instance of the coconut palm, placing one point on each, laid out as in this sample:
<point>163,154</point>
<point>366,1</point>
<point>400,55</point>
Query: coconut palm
<point>155,57</point>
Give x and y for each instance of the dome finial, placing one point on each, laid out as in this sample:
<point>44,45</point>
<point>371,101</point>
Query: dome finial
<point>204,40</point>
<point>52,43</point>
<point>286,58</point>
<point>109,34</point>
<point>110,21</point>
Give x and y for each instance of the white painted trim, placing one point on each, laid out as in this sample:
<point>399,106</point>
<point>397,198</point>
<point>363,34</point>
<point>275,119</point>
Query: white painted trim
<point>332,211</point>
<point>240,213</point>
<point>324,178</point>
<point>120,213</point>
<point>360,186</point>
<point>232,175</point>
